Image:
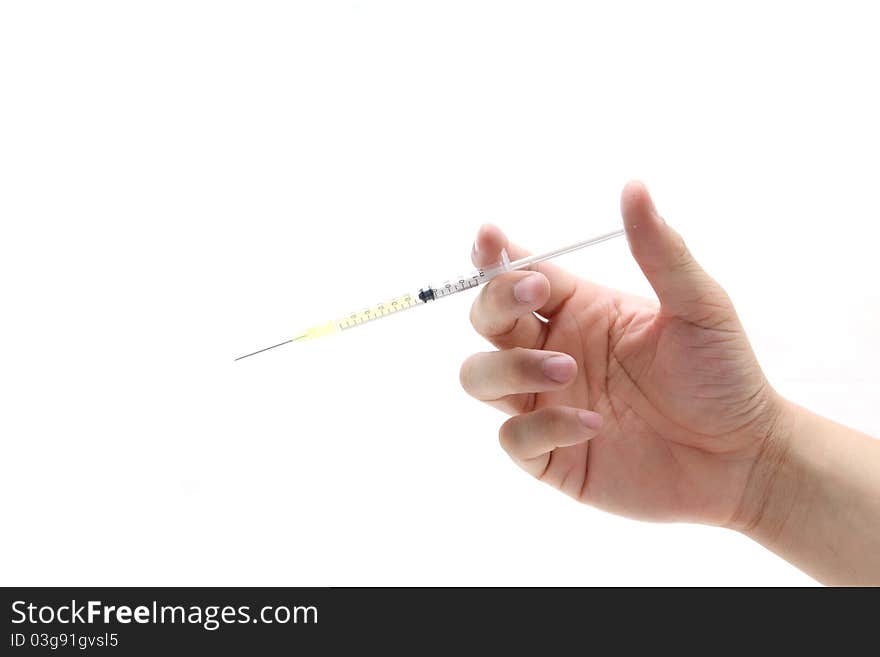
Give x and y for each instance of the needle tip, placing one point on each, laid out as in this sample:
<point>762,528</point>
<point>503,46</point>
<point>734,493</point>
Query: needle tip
<point>254,353</point>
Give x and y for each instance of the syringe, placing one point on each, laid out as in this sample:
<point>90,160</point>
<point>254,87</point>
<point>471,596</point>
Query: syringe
<point>424,295</point>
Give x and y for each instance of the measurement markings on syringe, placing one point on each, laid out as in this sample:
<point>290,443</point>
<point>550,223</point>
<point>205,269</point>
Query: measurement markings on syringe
<point>375,312</point>
<point>462,285</point>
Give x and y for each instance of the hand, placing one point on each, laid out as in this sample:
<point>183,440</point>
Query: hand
<point>654,411</point>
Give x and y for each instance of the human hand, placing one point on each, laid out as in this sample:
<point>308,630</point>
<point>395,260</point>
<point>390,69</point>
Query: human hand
<point>653,411</point>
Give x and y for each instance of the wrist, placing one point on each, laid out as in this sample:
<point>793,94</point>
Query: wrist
<point>770,491</point>
<point>812,498</point>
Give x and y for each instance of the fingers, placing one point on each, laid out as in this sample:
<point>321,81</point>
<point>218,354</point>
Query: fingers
<point>505,379</point>
<point>487,251</point>
<point>684,289</point>
<point>503,310</point>
<point>530,438</point>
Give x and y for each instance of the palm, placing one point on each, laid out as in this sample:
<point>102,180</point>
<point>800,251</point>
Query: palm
<point>677,398</point>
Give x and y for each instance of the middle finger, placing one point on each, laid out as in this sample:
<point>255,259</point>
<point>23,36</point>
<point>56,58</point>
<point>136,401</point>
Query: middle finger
<point>501,376</point>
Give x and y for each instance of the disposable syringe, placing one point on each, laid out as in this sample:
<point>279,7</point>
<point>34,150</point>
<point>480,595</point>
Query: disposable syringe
<point>424,295</point>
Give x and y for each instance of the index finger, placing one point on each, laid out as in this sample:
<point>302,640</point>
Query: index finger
<point>487,251</point>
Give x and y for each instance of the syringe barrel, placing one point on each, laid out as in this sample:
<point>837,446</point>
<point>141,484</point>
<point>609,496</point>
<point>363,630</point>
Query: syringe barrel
<point>474,279</point>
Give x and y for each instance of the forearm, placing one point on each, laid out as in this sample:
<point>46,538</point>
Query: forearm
<point>814,499</point>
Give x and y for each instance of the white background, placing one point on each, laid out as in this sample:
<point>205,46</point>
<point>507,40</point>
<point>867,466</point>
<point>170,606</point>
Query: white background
<point>183,182</point>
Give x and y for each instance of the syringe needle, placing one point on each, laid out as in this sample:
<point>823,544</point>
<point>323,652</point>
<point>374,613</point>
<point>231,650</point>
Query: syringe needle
<point>262,350</point>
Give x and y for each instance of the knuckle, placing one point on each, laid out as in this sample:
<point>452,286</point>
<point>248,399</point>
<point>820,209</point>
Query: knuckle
<point>492,314</point>
<point>507,435</point>
<point>554,422</point>
<point>466,374</point>
<point>484,310</point>
<point>520,372</point>
<point>475,313</point>
<point>494,293</point>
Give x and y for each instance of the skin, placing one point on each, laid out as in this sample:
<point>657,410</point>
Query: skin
<point>660,411</point>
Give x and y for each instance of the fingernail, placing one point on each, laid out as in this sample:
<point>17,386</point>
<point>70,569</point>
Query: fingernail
<point>590,420</point>
<point>528,289</point>
<point>476,248</point>
<point>559,368</point>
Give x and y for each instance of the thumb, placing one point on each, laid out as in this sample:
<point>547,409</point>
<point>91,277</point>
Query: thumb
<point>684,289</point>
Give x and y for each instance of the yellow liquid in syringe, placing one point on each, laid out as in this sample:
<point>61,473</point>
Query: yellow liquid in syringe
<point>370,314</point>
